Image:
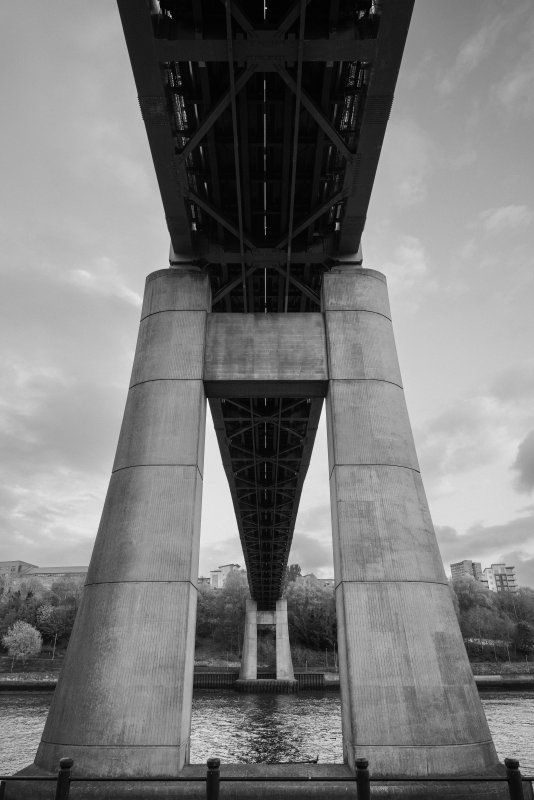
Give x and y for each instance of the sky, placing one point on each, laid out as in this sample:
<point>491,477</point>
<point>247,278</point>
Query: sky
<point>451,224</point>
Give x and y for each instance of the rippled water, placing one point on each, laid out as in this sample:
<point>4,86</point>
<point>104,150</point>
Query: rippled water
<point>265,728</point>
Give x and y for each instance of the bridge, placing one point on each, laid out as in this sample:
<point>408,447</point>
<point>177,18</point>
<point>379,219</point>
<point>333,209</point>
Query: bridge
<point>265,122</point>
<point>265,126</point>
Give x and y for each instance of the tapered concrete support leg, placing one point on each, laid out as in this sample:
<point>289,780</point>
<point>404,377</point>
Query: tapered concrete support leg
<point>409,701</point>
<point>249,659</point>
<point>122,706</point>
<point>284,663</point>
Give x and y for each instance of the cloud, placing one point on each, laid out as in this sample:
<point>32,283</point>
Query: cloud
<point>515,383</point>
<point>506,218</point>
<point>514,89</point>
<point>103,277</point>
<point>408,273</point>
<point>524,463</point>
<point>469,434</point>
<point>315,519</point>
<point>313,554</point>
<point>409,163</point>
<point>472,52</point>
<point>52,518</point>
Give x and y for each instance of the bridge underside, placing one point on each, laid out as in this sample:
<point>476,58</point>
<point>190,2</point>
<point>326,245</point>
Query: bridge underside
<point>265,122</point>
<point>266,444</point>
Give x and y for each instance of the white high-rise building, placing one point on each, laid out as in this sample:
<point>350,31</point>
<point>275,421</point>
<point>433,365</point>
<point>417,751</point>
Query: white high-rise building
<point>500,578</point>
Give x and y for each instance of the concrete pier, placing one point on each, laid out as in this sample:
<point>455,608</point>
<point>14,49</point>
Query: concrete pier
<point>123,701</point>
<point>409,700</point>
<point>284,663</point>
<point>249,661</point>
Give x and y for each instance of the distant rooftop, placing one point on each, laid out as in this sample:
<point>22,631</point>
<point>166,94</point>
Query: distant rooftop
<point>54,570</point>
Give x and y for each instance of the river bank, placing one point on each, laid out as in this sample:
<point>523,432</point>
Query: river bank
<point>206,678</point>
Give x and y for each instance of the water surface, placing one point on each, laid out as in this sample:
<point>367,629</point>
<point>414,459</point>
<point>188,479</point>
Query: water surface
<point>244,728</point>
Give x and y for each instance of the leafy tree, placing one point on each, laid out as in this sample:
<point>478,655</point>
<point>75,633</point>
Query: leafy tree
<point>208,612</point>
<point>518,606</point>
<point>4,584</point>
<point>233,598</point>
<point>524,638</point>
<point>293,572</point>
<point>221,612</point>
<point>22,641</point>
<point>32,587</point>
<point>15,606</point>
<point>455,602</point>
<point>51,620</point>
<point>470,593</point>
<point>67,591</point>
<point>311,614</point>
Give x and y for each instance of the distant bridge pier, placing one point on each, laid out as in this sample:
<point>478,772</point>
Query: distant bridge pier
<point>284,662</point>
<point>409,701</point>
<point>278,619</point>
<point>249,658</point>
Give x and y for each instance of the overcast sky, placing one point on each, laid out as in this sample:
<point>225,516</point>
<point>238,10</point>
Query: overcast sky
<point>451,223</point>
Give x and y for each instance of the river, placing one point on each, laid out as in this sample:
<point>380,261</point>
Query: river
<point>243,728</point>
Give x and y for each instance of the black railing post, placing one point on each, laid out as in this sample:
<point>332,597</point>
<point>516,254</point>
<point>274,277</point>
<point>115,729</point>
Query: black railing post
<point>212,778</point>
<point>515,782</point>
<point>63,779</point>
<point>363,784</point>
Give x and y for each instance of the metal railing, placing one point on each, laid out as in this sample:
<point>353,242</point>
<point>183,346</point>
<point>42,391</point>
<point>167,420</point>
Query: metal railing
<point>362,779</point>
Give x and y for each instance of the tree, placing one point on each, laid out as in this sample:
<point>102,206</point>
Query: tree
<point>32,587</point>
<point>55,622</point>
<point>22,641</point>
<point>293,572</point>
<point>221,612</point>
<point>470,593</point>
<point>519,606</point>
<point>524,638</point>
<point>233,597</point>
<point>68,591</point>
<point>311,612</point>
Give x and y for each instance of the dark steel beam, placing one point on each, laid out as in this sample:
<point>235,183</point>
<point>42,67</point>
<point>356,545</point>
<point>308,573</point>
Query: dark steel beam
<point>322,209</point>
<point>317,115</point>
<point>296,123</point>
<point>241,19</point>
<point>262,47</point>
<point>300,286</point>
<point>292,16</point>
<point>229,39</point>
<point>394,24</point>
<point>213,115</point>
<point>216,214</point>
<point>225,291</point>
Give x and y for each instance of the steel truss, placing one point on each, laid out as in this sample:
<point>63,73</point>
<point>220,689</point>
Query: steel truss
<point>266,445</point>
